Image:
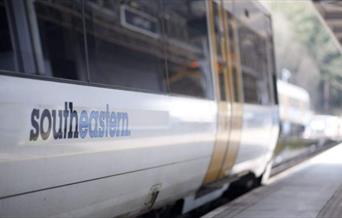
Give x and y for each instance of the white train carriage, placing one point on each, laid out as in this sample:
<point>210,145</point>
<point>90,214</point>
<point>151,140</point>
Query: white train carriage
<point>294,109</point>
<point>113,108</point>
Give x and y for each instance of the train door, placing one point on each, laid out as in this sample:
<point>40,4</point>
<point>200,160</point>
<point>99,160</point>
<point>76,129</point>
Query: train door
<point>226,75</point>
<point>236,89</point>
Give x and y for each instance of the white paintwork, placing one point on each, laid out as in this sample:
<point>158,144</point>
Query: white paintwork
<point>170,147</point>
<point>106,197</point>
<point>170,144</point>
<point>294,103</point>
<point>258,138</point>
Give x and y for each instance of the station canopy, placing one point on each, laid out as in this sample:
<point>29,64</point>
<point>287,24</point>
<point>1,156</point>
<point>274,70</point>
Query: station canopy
<point>331,11</point>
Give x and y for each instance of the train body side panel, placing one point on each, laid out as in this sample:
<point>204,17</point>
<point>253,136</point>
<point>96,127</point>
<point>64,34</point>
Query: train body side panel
<point>171,139</point>
<point>125,194</point>
<point>258,138</point>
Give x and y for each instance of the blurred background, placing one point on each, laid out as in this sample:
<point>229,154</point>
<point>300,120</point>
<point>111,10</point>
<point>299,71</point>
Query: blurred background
<point>307,38</point>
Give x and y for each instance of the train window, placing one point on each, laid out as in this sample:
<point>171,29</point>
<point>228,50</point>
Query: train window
<point>231,20</point>
<point>59,23</point>
<point>187,51</point>
<point>271,62</point>
<point>7,61</point>
<point>222,63</point>
<point>125,44</point>
<point>250,88</point>
<point>254,66</point>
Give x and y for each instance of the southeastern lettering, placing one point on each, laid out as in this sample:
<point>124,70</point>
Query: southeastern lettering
<point>45,133</point>
<point>94,115</point>
<point>34,133</point>
<point>84,124</point>
<point>73,117</point>
<point>70,124</point>
<point>57,134</point>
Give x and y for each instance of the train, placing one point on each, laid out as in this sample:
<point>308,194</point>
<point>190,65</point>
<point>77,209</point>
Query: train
<point>298,120</point>
<point>120,107</point>
<point>294,109</point>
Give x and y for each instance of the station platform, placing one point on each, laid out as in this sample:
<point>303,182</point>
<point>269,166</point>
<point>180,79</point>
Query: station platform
<point>311,189</point>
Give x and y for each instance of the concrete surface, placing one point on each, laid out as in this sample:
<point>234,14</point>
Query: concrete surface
<point>311,189</point>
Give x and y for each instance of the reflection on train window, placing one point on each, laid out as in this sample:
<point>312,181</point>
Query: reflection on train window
<point>187,48</point>
<point>254,60</point>
<point>250,88</point>
<point>61,36</point>
<point>125,44</point>
<point>271,62</point>
<point>231,20</point>
<point>221,61</point>
<point>6,49</point>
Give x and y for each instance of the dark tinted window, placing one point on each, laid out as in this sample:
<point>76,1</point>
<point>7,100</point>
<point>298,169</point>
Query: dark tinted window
<point>271,61</point>
<point>61,41</point>
<point>222,62</point>
<point>125,44</point>
<point>188,60</point>
<point>254,66</point>
<point>235,73</point>
<point>6,47</point>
